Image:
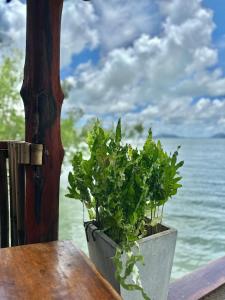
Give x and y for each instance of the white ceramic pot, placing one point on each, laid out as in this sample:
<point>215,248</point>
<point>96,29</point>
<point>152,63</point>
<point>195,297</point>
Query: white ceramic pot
<point>158,251</point>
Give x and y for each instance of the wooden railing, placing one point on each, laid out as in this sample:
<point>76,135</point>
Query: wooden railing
<point>208,283</point>
<point>14,156</point>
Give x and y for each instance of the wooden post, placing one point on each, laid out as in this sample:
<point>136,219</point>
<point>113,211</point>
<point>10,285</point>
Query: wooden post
<point>43,97</point>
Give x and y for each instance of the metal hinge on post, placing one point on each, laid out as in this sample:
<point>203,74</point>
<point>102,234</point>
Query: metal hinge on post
<point>30,154</point>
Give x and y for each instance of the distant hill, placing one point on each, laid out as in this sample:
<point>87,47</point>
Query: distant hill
<point>167,136</point>
<point>218,136</point>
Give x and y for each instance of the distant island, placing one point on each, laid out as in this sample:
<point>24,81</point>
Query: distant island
<point>218,136</point>
<point>174,136</point>
<point>168,136</point>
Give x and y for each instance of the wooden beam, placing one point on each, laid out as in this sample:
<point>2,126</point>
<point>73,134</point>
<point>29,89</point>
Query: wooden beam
<point>4,205</point>
<point>43,97</point>
<point>17,157</point>
<point>4,145</point>
<point>201,283</point>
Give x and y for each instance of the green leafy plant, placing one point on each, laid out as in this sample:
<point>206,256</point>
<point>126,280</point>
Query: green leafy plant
<point>124,190</point>
<point>11,107</point>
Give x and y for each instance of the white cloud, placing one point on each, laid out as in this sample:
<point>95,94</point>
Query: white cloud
<point>78,29</point>
<point>12,25</point>
<point>156,78</point>
<point>120,22</point>
<point>112,23</point>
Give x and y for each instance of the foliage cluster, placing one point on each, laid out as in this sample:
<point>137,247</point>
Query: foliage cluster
<point>11,113</point>
<point>124,190</point>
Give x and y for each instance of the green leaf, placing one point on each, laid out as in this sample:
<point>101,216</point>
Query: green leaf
<point>118,132</point>
<point>180,164</point>
<point>70,178</point>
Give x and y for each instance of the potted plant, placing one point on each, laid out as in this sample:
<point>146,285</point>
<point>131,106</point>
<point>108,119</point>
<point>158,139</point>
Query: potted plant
<point>124,190</point>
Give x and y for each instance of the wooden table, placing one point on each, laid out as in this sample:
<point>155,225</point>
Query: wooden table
<point>56,270</point>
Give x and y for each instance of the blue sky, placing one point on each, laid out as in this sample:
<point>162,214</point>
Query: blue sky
<point>81,58</point>
<point>158,62</point>
<point>218,8</point>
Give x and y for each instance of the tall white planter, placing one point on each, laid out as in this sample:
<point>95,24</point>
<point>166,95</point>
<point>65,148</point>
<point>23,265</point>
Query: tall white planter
<point>158,251</point>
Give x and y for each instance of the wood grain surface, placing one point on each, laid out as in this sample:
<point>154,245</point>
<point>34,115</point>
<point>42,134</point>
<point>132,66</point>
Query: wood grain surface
<point>55,270</point>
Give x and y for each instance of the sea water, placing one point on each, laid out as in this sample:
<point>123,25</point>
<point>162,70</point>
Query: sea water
<point>197,211</point>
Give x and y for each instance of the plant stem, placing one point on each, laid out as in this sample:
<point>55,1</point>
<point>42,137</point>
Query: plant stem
<point>162,214</point>
<point>97,213</point>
